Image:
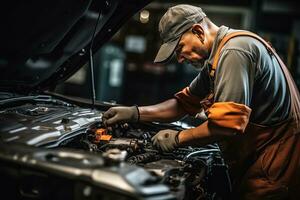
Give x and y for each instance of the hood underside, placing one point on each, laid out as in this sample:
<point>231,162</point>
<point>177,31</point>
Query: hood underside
<point>44,42</point>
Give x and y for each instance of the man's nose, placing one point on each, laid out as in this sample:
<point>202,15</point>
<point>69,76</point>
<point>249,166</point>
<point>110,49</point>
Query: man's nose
<point>180,58</point>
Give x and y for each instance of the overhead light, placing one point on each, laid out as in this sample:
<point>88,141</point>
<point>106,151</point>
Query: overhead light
<point>144,16</point>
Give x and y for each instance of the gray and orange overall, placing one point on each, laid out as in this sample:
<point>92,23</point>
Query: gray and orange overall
<point>264,160</point>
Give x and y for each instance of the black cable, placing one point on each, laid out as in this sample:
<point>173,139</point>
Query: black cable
<point>92,61</point>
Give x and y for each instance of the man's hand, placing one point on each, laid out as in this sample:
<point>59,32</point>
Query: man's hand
<point>120,114</point>
<point>166,140</point>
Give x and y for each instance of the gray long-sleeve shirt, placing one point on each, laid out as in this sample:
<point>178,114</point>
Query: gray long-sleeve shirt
<point>247,74</point>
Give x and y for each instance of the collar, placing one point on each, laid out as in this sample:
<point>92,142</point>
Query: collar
<point>223,30</point>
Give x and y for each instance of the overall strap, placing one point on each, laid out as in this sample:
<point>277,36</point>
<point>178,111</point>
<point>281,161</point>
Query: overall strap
<point>294,93</point>
<point>232,35</point>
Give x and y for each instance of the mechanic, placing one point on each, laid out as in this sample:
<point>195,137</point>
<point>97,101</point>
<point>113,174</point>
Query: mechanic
<point>251,102</point>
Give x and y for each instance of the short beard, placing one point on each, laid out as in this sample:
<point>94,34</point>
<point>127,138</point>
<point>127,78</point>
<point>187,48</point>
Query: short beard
<point>199,64</point>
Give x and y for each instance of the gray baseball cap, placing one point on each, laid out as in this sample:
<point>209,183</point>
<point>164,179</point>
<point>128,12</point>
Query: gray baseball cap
<point>173,24</point>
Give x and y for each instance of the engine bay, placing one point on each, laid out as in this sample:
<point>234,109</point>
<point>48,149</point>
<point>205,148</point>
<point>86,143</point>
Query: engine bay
<point>189,172</point>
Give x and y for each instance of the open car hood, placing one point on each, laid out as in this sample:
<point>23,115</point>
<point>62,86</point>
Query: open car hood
<point>44,42</point>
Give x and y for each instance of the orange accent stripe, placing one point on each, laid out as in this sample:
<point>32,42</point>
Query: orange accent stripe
<point>235,34</point>
<point>229,115</point>
<point>189,102</point>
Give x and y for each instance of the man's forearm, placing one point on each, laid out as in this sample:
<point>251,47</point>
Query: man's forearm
<point>204,134</point>
<point>166,111</point>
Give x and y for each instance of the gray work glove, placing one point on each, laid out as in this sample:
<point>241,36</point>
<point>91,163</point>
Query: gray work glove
<point>166,140</point>
<point>121,114</point>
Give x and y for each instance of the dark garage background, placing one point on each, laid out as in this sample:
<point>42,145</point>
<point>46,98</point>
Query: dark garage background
<point>125,73</point>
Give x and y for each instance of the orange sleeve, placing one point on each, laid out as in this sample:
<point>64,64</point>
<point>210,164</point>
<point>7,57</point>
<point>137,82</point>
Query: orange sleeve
<point>229,115</point>
<point>189,102</point>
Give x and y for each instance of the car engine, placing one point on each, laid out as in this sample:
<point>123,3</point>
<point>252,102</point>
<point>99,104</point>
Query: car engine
<point>41,121</point>
<point>191,173</point>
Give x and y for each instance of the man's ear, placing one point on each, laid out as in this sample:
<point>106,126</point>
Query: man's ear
<point>198,30</point>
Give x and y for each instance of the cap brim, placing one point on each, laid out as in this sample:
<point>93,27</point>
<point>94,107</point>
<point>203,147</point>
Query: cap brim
<point>166,51</point>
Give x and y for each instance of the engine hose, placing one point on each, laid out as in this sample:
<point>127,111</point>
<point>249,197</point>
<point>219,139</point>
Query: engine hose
<point>200,152</point>
<point>143,158</point>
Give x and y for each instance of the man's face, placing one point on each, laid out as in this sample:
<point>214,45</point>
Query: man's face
<point>192,48</point>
